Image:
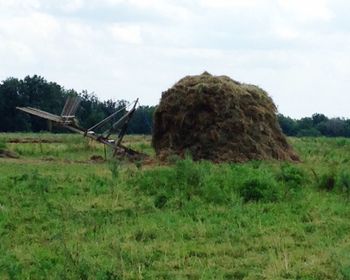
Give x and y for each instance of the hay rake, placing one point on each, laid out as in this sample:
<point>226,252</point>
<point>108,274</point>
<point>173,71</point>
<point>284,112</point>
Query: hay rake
<point>68,120</point>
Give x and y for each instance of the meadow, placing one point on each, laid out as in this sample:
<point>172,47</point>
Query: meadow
<point>66,213</point>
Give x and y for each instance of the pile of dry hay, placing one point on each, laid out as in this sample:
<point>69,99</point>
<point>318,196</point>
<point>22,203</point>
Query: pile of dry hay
<point>219,119</point>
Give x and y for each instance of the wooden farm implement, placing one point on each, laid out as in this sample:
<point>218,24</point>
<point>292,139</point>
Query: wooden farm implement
<point>110,125</point>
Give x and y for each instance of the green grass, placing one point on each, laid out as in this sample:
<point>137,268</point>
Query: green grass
<point>68,218</point>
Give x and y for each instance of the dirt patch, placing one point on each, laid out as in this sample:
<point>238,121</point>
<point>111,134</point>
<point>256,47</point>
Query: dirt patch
<point>97,159</point>
<point>128,154</point>
<point>7,154</point>
<point>32,141</point>
<point>219,119</point>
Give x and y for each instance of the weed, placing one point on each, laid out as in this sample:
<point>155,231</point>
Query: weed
<point>160,201</point>
<point>115,168</point>
<point>99,185</point>
<point>292,177</point>
<point>327,181</point>
<point>173,159</point>
<point>341,142</point>
<point>188,177</point>
<point>155,182</point>
<point>10,266</point>
<point>344,182</point>
<point>138,164</point>
<point>260,187</point>
<point>3,145</point>
<point>345,271</point>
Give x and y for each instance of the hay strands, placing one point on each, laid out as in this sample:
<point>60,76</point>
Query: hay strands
<point>68,120</point>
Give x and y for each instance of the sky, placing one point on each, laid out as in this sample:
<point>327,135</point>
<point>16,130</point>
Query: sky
<point>297,50</point>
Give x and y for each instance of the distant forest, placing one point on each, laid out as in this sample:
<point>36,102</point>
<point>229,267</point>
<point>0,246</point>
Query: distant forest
<point>36,92</point>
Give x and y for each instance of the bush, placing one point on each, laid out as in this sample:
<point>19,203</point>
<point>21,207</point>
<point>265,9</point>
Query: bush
<point>344,182</point>
<point>260,187</point>
<point>217,183</point>
<point>188,176</point>
<point>156,181</point>
<point>160,201</point>
<point>292,177</point>
<point>2,144</point>
<point>185,177</point>
<point>327,181</point>
<point>184,181</point>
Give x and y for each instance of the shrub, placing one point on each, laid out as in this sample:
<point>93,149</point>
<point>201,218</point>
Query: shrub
<point>156,181</point>
<point>160,201</point>
<point>292,177</point>
<point>344,182</point>
<point>341,142</point>
<point>188,176</point>
<point>214,187</point>
<point>187,172</point>
<point>184,181</point>
<point>115,167</point>
<point>219,184</point>
<point>327,181</point>
<point>2,144</point>
<point>260,187</point>
<point>292,174</point>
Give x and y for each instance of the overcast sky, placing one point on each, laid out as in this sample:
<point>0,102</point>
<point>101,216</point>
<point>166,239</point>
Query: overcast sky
<point>297,50</point>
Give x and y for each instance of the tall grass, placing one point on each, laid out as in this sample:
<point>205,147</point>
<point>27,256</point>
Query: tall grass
<point>2,144</point>
<point>188,220</point>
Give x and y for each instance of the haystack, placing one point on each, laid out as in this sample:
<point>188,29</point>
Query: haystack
<point>219,119</point>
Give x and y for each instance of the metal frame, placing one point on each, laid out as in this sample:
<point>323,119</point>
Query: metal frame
<point>68,120</point>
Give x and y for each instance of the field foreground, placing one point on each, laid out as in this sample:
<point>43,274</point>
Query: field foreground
<point>66,213</point>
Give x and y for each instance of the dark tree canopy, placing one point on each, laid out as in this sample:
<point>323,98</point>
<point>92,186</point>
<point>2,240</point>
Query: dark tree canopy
<point>317,125</point>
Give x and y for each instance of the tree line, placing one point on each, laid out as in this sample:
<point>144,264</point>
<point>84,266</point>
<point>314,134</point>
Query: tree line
<point>317,125</point>
<point>35,91</point>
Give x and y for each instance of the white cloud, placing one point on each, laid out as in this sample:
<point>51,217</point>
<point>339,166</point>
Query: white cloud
<point>19,51</point>
<point>300,10</point>
<point>287,33</point>
<point>307,11</point>
<point>32,23</point>
<point>229,3</point>
<point>168,9</point>
<point>163,8</point>
<point>72,5</point>
<point>25,35</point>
<point>19,5</point>
<point>130,34</point>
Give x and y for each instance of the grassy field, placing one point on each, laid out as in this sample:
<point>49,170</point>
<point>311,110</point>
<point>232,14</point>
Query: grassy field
<point>66,216</point>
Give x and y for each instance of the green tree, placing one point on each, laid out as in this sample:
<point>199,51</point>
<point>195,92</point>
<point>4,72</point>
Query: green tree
<point>142,120</point>
<point>318,118</point>
<point>288,125</point>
